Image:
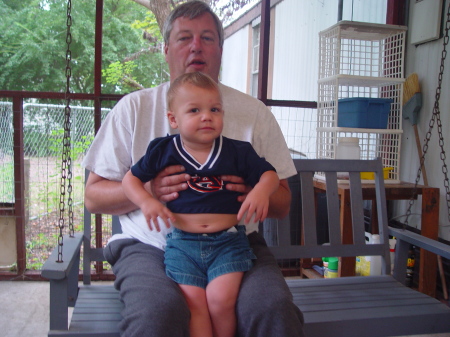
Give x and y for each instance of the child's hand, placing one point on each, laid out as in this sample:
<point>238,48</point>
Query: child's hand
<point>152,209</point>
<point>256,204</point>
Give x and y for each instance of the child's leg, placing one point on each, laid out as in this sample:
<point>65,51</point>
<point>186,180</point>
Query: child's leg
<point>200,323</point>
<point>221,295</point>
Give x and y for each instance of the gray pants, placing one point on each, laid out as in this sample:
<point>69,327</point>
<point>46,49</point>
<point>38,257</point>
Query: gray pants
<point>155,306</point>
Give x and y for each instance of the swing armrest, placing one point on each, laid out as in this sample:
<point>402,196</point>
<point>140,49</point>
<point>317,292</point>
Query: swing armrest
<point>406,238</point>
<point>63,278</point>
<point>71,256</point>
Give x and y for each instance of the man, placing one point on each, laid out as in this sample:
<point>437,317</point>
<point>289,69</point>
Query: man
<point>154,305</point>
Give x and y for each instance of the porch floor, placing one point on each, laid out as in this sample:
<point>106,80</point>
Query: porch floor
<point>24,309</point>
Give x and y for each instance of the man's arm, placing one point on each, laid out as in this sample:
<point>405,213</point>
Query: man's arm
<point>280,201</point>
<point>107,197</point>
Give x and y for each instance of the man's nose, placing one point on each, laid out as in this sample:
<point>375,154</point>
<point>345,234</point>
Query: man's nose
<point>196,44</point>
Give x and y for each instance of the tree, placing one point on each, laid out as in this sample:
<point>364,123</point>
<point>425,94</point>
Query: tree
<point>162,8</point>
<point>33,43</point>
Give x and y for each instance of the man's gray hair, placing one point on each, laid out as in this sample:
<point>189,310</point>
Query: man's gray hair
<point>191,10</point>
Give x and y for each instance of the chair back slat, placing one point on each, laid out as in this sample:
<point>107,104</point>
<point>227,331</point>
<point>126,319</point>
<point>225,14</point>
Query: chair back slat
<point>308,208</point>
<point>333,208</point>
<point>356,201</point>
<point>329,168</point>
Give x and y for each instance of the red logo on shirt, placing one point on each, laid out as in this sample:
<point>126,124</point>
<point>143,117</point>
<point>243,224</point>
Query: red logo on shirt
<point>206,184</point>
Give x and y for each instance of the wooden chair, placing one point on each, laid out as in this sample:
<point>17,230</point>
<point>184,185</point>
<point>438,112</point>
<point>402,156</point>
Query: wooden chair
<point>361,305</point>
<point>347,306</point>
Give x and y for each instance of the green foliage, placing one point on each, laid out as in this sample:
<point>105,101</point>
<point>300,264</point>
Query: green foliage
<point>149,25</point>
<point>7,186</point>
<point>116,72</point>
<point>33,45</point>
<point>78,148</point>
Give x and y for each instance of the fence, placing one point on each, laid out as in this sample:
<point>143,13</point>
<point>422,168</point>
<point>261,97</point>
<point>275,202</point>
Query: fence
<point>42,125</point>
<point>43,130</point>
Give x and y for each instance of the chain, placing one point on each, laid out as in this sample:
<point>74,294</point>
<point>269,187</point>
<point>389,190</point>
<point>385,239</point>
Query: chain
<point>436,118</point>
<point>66,165</point>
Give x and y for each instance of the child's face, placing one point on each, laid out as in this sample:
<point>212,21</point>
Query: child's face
<point>197,113</point>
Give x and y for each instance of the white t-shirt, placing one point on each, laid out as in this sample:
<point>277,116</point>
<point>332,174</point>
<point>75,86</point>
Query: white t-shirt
<point>140,117</point>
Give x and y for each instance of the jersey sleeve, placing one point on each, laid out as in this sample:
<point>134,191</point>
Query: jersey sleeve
<point>253,166</point>
<point>150,164</point>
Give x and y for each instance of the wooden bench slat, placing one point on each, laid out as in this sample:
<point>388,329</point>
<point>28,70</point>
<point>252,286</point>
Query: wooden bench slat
<point>97,316</point>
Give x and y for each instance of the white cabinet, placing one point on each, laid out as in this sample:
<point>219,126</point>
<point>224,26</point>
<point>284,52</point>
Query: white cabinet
<point>361,60</point>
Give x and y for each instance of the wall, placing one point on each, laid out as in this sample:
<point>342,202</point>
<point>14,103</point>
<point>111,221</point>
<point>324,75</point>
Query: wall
<point>296,24</point>
<point>234,64</point>
<point>425,60</point>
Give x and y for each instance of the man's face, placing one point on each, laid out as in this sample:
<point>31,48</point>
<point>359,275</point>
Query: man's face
<point>194,46</point>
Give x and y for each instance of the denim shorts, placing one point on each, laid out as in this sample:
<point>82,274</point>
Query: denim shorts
<point>196,259</point>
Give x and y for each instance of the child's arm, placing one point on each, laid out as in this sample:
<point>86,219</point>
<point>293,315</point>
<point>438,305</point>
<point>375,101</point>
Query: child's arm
<point>257,201</point>
<point>151,208</point>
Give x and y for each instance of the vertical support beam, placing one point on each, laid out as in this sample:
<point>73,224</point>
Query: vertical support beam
<point>19,183</point>
<point>396,12</point>
<point>347,264</point>
<point>340,10</point>
<point>98,64</point>
<point>430,229</point>
<point>264,41</point>
<point>97,107</point>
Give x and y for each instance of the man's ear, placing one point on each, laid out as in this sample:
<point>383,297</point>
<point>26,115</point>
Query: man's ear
<point>172,120</point>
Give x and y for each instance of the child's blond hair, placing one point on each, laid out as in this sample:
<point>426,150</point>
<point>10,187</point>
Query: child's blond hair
<point>197,79</point>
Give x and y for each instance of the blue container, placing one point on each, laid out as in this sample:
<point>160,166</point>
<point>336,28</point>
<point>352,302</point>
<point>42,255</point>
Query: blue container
<point>363,112</point>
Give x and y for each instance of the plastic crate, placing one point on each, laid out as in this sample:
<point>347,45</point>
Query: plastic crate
<point>361,60</point>
<point>362,112</point>
<point>362,49</point>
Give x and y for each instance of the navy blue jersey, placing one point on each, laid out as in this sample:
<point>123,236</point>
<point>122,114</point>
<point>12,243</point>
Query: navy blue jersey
<point>206,192</point>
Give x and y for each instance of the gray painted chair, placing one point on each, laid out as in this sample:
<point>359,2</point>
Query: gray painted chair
<point>347,306</point>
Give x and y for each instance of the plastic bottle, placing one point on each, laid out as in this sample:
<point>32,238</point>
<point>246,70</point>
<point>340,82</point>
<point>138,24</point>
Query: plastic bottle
<point>375,261</point>
<point>392,243</point>
<point>348,148</point>
<point>369,265</point>
<point>331,270</point>
<point>410,267</point>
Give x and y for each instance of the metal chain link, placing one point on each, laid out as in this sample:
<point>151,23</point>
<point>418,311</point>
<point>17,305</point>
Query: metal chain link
<point>66,165</point>
<point>436,118</point>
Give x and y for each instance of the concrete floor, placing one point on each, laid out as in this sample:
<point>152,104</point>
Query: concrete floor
<point>24,309</point>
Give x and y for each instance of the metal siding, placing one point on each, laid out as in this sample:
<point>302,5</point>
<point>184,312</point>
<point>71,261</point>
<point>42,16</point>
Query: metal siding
<point>297,27</point>
<point>234,64</point>
<point>295,66</point>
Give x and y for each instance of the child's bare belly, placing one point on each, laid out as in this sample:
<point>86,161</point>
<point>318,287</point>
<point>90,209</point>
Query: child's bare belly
<point>205,223</point>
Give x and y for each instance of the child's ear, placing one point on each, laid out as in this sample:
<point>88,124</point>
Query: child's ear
<point>172,120</point>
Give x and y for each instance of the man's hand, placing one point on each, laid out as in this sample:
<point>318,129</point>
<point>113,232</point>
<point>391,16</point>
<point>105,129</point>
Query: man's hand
<point>236,184</point>
<point>166,185</point>
<point>280,201</point>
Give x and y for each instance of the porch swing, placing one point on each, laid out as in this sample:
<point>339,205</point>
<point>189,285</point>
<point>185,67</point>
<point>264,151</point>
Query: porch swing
<point>347,306</point>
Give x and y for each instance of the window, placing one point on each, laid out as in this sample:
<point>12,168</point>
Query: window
<point>256,29</point>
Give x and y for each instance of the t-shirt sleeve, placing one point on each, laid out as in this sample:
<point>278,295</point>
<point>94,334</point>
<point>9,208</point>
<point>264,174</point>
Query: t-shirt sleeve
<point>253,165</point>
<point>150,164</point>
<point>270,143</point>
<point>110,153</point>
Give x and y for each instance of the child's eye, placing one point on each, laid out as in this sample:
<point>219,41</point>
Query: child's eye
<point>215,110</point>
<point>194,110</point>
